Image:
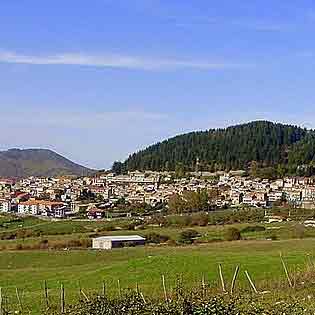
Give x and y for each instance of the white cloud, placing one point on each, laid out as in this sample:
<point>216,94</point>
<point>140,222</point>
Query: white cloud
<point>114,61</point>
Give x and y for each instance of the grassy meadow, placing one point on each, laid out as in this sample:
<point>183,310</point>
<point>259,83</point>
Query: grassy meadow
<point>27,270</point>
<point>24,266</point>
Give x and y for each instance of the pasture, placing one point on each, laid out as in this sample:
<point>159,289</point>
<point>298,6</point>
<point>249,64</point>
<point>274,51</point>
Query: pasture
<point>26,270</point>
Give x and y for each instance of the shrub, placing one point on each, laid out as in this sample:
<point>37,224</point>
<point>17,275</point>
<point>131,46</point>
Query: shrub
<point>18,247</point>
<point>299,231</point>
<point>254,228</point>
<point>232,234</point>
<point>200,219</point>
<point>108,227</point>
<point>43,244</point>
<point>179,221</point>
<point>156,238</point>
<point>188,236</point>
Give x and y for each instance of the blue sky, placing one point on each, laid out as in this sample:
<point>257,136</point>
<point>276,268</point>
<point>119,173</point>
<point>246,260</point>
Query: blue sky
<point>97,80</point>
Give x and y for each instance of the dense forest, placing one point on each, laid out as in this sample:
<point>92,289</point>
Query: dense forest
<point>269,145</point>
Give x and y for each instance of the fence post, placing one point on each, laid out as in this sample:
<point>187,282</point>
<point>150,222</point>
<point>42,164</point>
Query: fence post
<point>203,284</point>
<point>19,299</point>
<point>143,299</point>
<point>104,289</point>
<point>164,288</point>
<point>62,298</point>
<point>251,282</point>
<point>1,302</point>
<point>222,278</point>
<point>286,271</point>
<point>119,288</point>
<point>234,279</point>
<point>46,294</point>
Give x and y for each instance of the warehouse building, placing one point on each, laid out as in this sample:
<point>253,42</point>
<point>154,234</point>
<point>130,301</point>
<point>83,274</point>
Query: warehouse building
<point>109,242</point>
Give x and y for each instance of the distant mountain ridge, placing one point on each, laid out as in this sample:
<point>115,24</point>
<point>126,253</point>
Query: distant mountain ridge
<point>38,162</point>
<point>236,147</point>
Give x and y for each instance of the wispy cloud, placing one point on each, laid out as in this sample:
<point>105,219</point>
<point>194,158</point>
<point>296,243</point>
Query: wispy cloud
<point>242,24</point>
<point>115,61</point>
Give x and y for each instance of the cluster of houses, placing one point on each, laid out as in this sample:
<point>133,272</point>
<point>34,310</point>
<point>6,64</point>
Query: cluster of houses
<point>65,196</point>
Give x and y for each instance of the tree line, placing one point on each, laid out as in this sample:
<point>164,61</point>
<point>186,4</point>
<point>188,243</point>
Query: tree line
<point>284,149</point>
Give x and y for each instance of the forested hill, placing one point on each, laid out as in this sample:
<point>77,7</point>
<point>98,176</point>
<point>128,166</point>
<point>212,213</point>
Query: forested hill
<point>267,143</point>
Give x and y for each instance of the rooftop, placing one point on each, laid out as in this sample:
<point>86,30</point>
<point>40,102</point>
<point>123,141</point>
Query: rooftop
<point>121,238</point>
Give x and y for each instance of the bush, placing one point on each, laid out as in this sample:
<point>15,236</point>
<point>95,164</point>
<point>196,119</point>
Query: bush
<point>43,244</point>
<point>188,236</point>
<point>18,246</point>
<point>299,231</point>
<point>200,219</point>
<point>255,228</point>
<point>232,234</point>
<point>179,221</point>
<point>156,238</point>
<point>133,304</point>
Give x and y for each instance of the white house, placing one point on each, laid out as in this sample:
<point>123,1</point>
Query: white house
<point>5,205</point>
<point>41,207</point>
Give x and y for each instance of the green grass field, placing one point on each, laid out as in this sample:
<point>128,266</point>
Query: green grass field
<point>144,265</point>
<point>28,269</point>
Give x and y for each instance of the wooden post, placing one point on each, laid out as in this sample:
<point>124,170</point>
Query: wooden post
<point>1,302</point>
<point>234,279</point>
<point>119,288</point>
<point>222,278</point>
<point>251,282</point>
<point>46,294</point>
<point>62,298</point>
<point>164,288</point>
<point>286,271</point>
<point>84,295</point>
<point>104,289</point>
<point>143,299</point>
<point>203,284</point>
<point>80,291</point>
<point>19,299</point>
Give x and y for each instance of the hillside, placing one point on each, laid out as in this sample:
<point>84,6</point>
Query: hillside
<point>267,143</point>
<point>37,162</point>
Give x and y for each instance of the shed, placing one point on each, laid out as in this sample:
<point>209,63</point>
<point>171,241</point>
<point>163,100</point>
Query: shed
<point>109,242</point>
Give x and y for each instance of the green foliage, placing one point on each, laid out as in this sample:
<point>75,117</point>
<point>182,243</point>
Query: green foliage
<point>156,238</point>
<point>255,228</point>
<point>189,304</point>
<point>190,201</point>
<point>231,148</point>
<point>239,216</point>
<point>232,234</point>
<point>118,168</point>
<point>187,236</point>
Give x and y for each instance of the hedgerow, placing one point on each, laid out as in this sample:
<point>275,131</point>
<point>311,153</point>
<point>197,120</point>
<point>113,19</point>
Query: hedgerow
<point>134,304</point>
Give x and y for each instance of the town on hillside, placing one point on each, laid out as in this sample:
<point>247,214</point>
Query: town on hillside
<point>108,196</point>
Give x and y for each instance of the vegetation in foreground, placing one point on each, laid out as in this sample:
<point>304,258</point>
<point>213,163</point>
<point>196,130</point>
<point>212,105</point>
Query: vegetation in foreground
<point>27,270</point>
<point>194,304</point>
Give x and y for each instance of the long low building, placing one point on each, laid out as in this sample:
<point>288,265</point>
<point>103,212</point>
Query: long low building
<point>109,242</point>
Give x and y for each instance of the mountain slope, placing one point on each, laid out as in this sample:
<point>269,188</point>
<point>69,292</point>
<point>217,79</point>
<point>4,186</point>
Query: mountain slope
<point>37,162</point>
<point>231,148</point>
